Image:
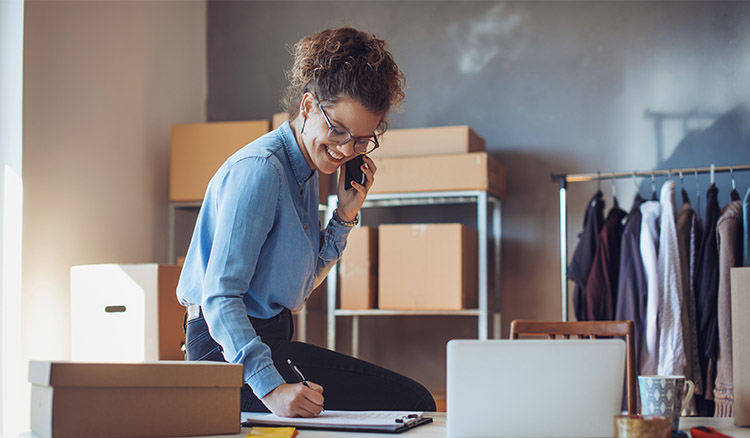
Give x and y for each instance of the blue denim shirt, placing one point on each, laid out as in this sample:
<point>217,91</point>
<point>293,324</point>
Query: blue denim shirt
<point>258,248</point>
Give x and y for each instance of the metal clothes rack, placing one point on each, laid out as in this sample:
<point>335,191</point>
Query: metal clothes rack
<point>564,179</point>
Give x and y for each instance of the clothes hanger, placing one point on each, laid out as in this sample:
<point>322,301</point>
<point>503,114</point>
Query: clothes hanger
<point>685,199</point>
<point>734,195</point>
<point>638,196</point>
<point>615,205</point>
<point>698,194</point>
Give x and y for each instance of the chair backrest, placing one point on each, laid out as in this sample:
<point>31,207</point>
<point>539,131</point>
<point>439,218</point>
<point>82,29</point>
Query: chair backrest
<point>587,330</point>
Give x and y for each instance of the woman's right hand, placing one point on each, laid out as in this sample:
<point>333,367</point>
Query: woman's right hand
<point>295,400</point>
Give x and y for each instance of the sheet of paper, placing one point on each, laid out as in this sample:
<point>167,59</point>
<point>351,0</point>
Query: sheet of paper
<point>335,418</point>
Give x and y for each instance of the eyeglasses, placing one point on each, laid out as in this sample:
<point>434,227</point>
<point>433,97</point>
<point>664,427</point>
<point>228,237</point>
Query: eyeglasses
<point>339,136</point>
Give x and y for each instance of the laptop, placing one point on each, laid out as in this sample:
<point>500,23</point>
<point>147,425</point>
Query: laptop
<point>534,388</point>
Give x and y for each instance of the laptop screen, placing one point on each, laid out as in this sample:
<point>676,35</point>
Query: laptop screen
<point>534,388</point>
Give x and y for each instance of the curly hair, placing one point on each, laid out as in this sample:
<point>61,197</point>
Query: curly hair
<point>345,62</point>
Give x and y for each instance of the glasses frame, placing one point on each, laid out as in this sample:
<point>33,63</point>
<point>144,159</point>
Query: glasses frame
<point>331,128</point>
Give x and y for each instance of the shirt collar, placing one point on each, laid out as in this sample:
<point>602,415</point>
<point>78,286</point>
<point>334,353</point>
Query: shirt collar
<point>301,169</point>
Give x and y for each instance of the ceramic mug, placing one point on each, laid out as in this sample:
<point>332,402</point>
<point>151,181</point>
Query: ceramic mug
<point>662,396</point>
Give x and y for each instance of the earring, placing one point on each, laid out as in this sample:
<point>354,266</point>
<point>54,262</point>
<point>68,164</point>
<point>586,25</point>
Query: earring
<point>302,131</point>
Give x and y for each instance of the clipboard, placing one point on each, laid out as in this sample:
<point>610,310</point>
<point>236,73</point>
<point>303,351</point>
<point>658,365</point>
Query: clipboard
<point>351,421</point>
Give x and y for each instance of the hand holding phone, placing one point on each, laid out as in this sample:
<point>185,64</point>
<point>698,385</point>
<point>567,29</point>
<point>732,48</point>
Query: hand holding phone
<point>354,172</point>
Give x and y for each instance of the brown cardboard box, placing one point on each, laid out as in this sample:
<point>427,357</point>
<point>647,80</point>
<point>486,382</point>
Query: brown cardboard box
<point>475,171</point>
<point>358,271</point>
<point>278,119</point>
<point>199,149</point>
<point>441,140</point>
<point>125,312</point>
<point>325,185</point>
<point>740,278</point>
<point>427,266</point>
<point>150,399</point>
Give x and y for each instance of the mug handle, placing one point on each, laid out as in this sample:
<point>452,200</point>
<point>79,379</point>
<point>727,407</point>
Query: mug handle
<point>689,395</point>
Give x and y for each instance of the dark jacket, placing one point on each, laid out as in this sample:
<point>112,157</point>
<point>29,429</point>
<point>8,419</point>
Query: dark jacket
<point>631,284</point>
<point>707,287</point>
<point>583,256</point>
<point>601,287</point>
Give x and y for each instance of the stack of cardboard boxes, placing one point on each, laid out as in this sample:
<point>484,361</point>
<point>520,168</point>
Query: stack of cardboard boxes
<point>420,266</point>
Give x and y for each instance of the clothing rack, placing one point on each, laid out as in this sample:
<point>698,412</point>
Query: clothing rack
<point>564,179</point>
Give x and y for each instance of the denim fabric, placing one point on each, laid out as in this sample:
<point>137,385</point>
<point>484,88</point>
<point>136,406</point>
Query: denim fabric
<point>258,249</point>
<point>348,383</point>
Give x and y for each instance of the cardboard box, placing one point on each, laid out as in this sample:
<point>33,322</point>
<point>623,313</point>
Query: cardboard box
<point>475,171</point>
<point>740,278</point>
<point>278,119</point>
<point>358,273</point>
<point>158,399</point>
<point>199,149</point>
<point>441,140</point>
<point>124,313</point>
<point>427,267</point>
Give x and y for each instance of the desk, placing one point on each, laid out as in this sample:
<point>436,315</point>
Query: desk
<point>436,429</point>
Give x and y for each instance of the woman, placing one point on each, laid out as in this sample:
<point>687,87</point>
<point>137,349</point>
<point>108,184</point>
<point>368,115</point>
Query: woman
<point>257,250</point>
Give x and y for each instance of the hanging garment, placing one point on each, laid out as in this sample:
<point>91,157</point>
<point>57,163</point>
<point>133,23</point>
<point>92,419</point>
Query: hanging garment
<point>673,314</point>
<point>688,234</point>
<point>631,284</point>
<point>601,287</point>
<point>746,229</point>
<point>729,240</point>
<point>707,284</point>
<point>583,256</point>
<point>649,243</point>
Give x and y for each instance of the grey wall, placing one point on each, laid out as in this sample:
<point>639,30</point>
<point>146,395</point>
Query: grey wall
<point>552,86</point>
<point>103,82</point>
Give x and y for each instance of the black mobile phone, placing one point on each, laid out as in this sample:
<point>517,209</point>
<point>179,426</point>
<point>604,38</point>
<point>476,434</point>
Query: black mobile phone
<point>354,172</point>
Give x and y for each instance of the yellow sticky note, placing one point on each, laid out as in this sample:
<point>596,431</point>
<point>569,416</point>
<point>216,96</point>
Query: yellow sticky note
<point>272,432</point>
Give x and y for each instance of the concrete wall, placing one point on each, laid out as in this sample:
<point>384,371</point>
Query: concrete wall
<point>553,86</point>
<point>103,83</point>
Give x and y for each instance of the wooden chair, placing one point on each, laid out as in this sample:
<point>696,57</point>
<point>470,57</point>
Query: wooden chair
<point>587,330</point>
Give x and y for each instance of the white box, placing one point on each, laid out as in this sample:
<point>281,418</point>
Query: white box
<point>125,313</point>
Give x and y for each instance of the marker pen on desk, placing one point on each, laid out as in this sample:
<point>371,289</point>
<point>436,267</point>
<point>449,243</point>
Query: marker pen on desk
<point>297,372</point>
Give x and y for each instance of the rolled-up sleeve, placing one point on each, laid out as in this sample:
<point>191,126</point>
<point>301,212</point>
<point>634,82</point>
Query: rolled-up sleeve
<point>245,199</point>
<point>332,245</point>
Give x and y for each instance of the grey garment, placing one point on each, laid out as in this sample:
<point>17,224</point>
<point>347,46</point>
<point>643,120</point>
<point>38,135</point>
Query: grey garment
<point>729,239</point>
<point>650,211</point>
<point>673,315</point>
<point>688,232</point>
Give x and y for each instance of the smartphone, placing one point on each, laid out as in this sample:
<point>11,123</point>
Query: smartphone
<point>354,172</point>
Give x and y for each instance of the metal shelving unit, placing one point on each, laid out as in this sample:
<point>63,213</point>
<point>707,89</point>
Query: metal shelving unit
<point>301,326</point>
<point>485,203</point>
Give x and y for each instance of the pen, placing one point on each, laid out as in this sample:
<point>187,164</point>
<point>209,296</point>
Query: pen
<point>297,372</point>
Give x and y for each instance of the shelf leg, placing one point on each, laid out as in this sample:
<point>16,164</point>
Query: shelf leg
<point>301,328</point>
<point>563,249</point>
<point>482,268</point>
<point>331,284</point>
<point>355,336</point>
<point>497,232</point>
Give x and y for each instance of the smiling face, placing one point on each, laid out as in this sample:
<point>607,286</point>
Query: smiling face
<point>347,114</point>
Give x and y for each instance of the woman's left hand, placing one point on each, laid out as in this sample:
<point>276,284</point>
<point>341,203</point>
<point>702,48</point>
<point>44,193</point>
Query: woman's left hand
<point>350,201</point>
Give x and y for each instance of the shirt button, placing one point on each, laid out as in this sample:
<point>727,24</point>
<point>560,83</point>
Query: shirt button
<point>300,191</point>
<point>304,227</point>
<point>330,231</point>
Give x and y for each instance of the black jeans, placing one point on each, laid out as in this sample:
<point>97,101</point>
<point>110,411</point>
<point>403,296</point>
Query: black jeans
<point>348,383</point>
